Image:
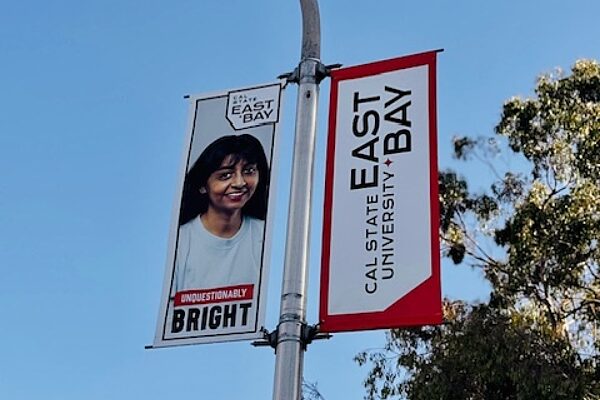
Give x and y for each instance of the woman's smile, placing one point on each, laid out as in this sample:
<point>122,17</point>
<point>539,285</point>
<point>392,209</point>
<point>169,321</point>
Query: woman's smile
<point>237,196</point>
<point>231,186</point>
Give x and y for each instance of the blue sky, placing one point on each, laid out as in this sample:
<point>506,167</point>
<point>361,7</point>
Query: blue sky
<point>92,122</point>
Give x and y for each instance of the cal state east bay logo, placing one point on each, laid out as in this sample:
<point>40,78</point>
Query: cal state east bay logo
<point>253,107</point>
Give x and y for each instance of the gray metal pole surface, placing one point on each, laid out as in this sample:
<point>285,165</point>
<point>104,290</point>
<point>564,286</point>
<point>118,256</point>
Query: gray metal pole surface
<point>292,317</point>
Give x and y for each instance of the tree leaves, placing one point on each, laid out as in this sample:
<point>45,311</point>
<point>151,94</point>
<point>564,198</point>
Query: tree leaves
<point>536,337</point>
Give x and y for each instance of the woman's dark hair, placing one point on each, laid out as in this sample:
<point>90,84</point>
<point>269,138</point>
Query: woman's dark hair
<point>243,147</point>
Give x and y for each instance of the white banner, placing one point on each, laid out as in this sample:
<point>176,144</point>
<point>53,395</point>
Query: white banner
<point>380,228</point>
<point>219,247</point>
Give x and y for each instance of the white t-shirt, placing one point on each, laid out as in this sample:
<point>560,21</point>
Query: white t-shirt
<point>206,261</point>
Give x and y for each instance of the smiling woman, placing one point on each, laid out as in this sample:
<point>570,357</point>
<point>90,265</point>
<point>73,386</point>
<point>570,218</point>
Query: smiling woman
<point>222,215</point>
<point>228,189</point>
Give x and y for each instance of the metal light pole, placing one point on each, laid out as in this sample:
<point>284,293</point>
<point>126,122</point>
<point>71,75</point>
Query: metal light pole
<point>291,340</point>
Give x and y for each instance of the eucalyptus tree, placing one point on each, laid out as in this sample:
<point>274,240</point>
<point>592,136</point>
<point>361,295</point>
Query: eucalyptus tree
<point>534,234</point>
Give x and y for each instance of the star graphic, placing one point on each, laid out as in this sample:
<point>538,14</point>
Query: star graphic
<point>388,162</point>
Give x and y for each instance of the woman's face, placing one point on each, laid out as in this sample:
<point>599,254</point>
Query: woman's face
<point>231,186</point>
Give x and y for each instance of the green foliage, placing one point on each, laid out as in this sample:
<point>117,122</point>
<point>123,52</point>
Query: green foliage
<point>536,338</point>
<point>558,130</point>
<point>480,353</point>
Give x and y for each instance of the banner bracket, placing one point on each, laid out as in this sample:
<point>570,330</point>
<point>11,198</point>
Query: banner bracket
<point>322,72</point>
<point>308,334</point>
<point>311,332</point>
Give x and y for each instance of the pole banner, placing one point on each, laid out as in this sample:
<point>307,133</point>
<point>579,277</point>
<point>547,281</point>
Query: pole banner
<point>219,245</point>
<point>380,261</point>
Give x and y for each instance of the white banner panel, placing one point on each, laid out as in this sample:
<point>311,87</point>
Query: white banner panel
<point>380,241</point>
<point>217,265</point>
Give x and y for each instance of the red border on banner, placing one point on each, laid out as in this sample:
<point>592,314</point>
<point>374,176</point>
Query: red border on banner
<point>421,306</point>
